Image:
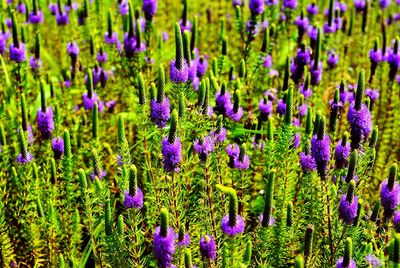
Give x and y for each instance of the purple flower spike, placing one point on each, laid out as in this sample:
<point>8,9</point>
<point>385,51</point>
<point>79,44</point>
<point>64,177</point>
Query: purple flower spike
<point>88,103</point>
<point>172,154</point>
<point>302,23</point>
<point>396,221</point>
<point>256,7</point>
<point>312,9</point>
<point>339,264</point>
<point>333,59</point>
<point>291,4</point>
<point>265,107</point>
<point>207,247</point>
<point>62,18</point>
<point>57,145</point>
<point>307,163</point>
<point>73,49</point>
<point>124,8</point>
<point>341,154</point>
<point>24,159</point>
<point>348,210</point>
<point>307,92</point>
<point>373,94</point>
<point>202,65</point>
<point>390,199</point>
<point>360,122</point>
<point>111,40</point>
<point>164,247</point>
<point>316,74</point>
<point>359,5</point>
<point>375,56</point>
<point>160,112</point>
<point>21,8</point>
<point>185,241</point>
<point>272,2</point>
<point>178,76</point>
<point>271,219</point>
<point>232,150</point>
<point>35,64</point>
<point>218,137</point>
<point>373,260</point>
<point>45,122</point>
<point>17,54</point>
<point>135,201</point>
<point>267,63</point>
<point>312,32</point>
<point>232,230</point>
<point>281,107</point>
<point>204,147</point>
<point>101,175</point>
<point>53,8</point>
<point>36,18</point>
<point>384,3</point>
<point>223,102</point>
<point>187,26</point>
<point>236,116</point>
<point>102,57</point>
<point>241,163</point>
<point>149,8</point>
<point>320,150</point>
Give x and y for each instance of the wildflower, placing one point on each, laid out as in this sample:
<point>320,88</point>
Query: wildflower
<point>373,260</point>
<point>149,9</point>
<point>390,192</point>
<point>348,204</point>
<point>232,223</point>
<point>57,145</point>
<point>164,241</point>
<point>45,122</point>
<point>242,160</point>
<point>207,247</point>
<point>312,9</point>
<point>203,147</point>
<point>342,152</point>
<point>256,7</point>
<point>172,147</point>
<point>134,195</point>
<point>333,59</point>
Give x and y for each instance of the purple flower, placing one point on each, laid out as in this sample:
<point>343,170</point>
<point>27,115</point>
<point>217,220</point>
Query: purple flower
<point>384,3</point>
<point>307,163</point>
<point>29,133</point>
<point>113,39</point>
<point>218,136</point>
<point>303,108</point>
<point>232,230</point>
<point>339,264</point>
<point>236,2</point>
<point>57,145</point>
<point>73,49</point>
<point>185,240</point>
<point>241,162</point>
<point>45,122</point>
<point>185,25</point>
<point>272,2</point>
<point>307,92</point>
<point>88,103</point>
<point>316,74</point>
<point>21,8</point>
<point>172,154</point>
<point>202,65</point>
<point>178,76</point>
<point>36,18</point>
<point>111,105</point>
<point>232,150</point>
<point>394,60</point>
<point>373,94</point>
<point>303,56</point>
<point>160,112</point>
<point>123,8</point>
<point>390,199</point>
<point>359,5</point>
<point>135,201</point>
<point>329,28</point>
<point>271,219</point>
<point>265,107</point>
<point>204,147</point>
<point>130,46</point>
<point>192,70</point>
<point>53,8</point>
<point>373,260</point>
<point>102,57</point>
<point>312,32</point>
<point>35,63</point>
<point>320,150</point>
<point>360,122</point>
<point>302,23</point>
<point>24,159</point>
<point>291,4</point>
<point>256,7</point>
<point>17,54</point>
<point>149,8</point>
<point>375,56</point>
<point>396,221</point>
<point>267,62</point>
<point>100,175</point>
<point>348,209</point>
<point>235,115</point>
<point>164,247</point>
<point>3,43</point>
<point>312,9</point>
<point>333,59</point>
<point>223,102</point>
<point>62,18</point>
<point>341,154</point>
<point>281,107</point>
<point>207,247</point>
